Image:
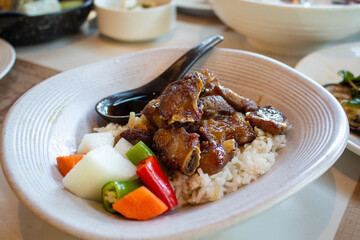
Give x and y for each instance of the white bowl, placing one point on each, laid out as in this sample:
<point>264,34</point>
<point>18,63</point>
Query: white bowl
<point>288,29</point>
<point>8,56</point>
<point>50,120</point>
<point>135,25</point>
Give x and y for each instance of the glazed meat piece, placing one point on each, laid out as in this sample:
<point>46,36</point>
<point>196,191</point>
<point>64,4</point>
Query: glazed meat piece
<point>189,127</point>
<point>268,119</point>
<point>210,81</point>
<point>152,113</point>
<point>178,102</point>
<point>134,135</point>
<point>215,105</point>
<point>214,157</point>
<point>178,149</point>
<point>212,86</point>
<point>240,103</point>
<point>228,127</point>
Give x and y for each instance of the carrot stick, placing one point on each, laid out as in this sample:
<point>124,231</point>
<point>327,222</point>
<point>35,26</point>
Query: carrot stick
<point>140,204</point>
<point>66,163</point>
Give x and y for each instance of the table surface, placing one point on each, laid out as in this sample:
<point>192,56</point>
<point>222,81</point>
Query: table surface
<point>328,208</point>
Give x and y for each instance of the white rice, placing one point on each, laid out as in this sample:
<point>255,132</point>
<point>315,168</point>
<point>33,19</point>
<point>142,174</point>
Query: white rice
<point>250,162</point>
<point>116,129</point>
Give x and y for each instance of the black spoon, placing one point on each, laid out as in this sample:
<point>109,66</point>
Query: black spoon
<point>116,108</point>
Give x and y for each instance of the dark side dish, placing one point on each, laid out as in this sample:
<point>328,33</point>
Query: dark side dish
<point>348,94</point>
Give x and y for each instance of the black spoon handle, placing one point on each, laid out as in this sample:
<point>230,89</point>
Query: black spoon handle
<point>178,69</point>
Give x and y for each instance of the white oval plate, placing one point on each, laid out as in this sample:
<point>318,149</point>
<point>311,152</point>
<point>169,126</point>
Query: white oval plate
<point>323,65</point>
<point>7,57</point>
<point>51,118</point>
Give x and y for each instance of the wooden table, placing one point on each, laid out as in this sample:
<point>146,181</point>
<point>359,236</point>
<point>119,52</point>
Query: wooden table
<point>349,227</point>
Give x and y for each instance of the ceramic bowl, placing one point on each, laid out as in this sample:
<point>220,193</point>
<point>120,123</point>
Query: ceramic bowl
<point>8,56</point>
<point>50,119</point>
<point>135,25</point>
<point>288,29</point>
<point>20,29</point>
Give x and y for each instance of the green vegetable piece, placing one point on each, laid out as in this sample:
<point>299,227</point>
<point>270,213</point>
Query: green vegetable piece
<point>70,4</point>
<point>349,78</point>
<point>139,152</point>
<point>346,75</point>
<point>114,190</point>
<point>354,103</point>
<point>351,81</point>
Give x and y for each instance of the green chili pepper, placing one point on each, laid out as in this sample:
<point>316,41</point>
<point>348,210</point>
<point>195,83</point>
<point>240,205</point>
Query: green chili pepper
<point>114,190</point>
<point>139,152</point>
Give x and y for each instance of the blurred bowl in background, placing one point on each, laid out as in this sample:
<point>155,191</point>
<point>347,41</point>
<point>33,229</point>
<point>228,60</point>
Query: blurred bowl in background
<point>136,24</point>
<point>20,29</point>
<point>289,29</point>
<point>195,7</point>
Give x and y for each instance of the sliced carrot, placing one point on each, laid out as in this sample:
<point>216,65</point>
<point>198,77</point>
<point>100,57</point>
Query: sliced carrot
<point>140,204</point>
<point>66,163</point>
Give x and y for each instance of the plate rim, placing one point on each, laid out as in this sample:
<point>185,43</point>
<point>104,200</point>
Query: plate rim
<point>8,49</point>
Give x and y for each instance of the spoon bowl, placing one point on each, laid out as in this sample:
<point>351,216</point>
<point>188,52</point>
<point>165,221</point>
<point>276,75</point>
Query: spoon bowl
<point>116,107</point>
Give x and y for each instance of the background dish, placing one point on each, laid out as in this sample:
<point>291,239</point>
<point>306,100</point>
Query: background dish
<point>20,29</point>
<point>195,7</point>
<point>323,65</point>
<point>142,25</point>
<point>7,59</point>
<point>34,136</point>
<point>288,29</point>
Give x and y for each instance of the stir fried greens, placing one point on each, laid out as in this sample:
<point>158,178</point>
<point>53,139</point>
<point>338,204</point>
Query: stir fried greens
<point>348,94</point>
<point>352,82</point>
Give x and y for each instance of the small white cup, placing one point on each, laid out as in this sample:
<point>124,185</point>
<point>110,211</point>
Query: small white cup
<point>135,25</point>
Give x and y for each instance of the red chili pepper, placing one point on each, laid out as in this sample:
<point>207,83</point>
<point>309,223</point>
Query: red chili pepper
<point>155,179</point>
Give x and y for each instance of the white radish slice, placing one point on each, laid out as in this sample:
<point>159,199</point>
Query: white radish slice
<point>95,169</point>
<point>123,146</point>
<point>91,141</point>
